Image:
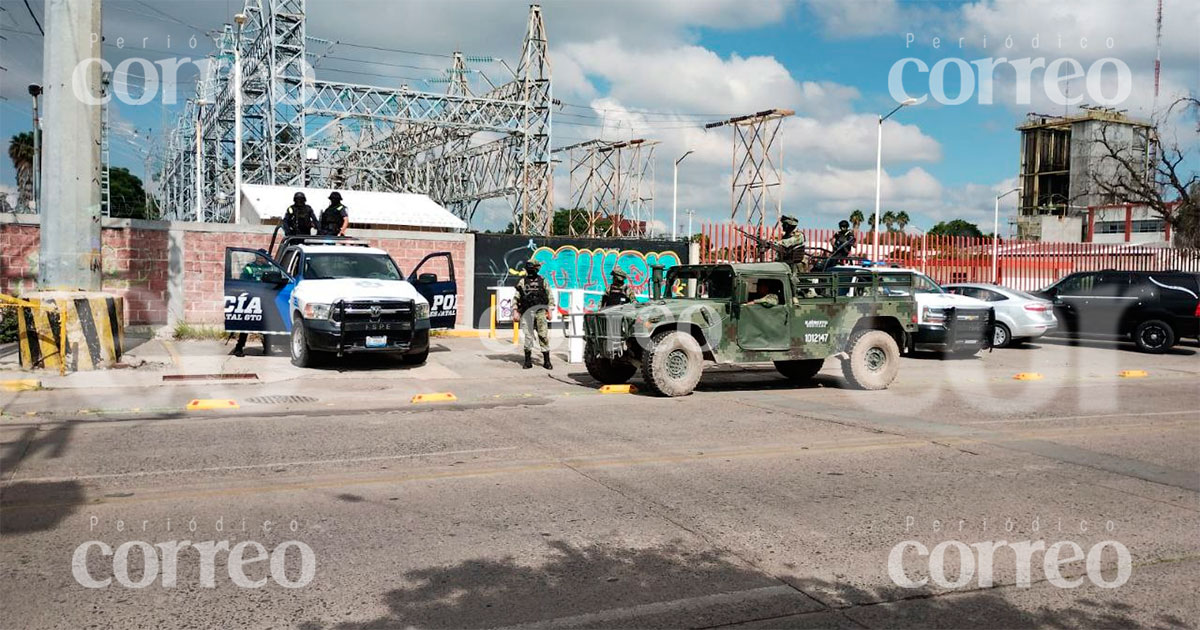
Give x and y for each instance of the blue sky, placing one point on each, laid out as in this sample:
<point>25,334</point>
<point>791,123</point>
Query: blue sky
<point>826,59</point>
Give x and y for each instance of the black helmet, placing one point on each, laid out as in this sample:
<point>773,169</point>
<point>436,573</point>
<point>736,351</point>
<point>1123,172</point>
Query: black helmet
<point>335,196</point>
<point>298,197</point>
<point>532,265</point>
<point>843,224</point>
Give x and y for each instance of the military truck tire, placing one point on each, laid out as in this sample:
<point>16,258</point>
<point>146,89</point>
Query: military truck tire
<point>800,371</point>
<point>673,363</point>
<point>607,371</point>
<point>874,360</point>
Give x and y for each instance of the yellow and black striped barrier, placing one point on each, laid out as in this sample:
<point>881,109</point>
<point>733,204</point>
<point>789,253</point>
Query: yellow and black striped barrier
<point>76,331</point>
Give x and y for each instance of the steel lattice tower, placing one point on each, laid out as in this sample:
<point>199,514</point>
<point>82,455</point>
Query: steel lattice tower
<point>757,175</point>
<point>613,183</point>
<point>459,148</point>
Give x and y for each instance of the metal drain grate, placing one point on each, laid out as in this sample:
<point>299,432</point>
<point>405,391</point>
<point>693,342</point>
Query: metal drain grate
<point>280,400</point>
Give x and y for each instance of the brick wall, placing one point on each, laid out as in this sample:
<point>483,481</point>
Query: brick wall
<point>137,262</point>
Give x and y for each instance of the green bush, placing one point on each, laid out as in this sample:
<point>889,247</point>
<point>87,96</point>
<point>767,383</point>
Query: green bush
<point>198,332</point>
<point>8,324</point>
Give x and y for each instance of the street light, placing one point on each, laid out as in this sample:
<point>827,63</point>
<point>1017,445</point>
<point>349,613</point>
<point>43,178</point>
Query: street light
<point>35,91</point>
<point>675,194</point>
<point>240,19</point>
<point>996,236</point>
<point>879,169</point>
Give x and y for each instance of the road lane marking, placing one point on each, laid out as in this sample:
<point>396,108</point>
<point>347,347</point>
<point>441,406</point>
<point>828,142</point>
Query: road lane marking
<point>1091,417</point>
<point>311,462</point>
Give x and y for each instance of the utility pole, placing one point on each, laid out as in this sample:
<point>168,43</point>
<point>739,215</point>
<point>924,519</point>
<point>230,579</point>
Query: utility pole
<point>70,208</point>
<point>237,120</point>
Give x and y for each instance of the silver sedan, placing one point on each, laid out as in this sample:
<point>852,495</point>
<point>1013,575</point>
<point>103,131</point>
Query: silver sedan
<point>1020,316</point>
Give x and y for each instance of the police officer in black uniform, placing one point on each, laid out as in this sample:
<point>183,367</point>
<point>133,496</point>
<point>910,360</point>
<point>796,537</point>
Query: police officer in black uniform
<point>334,219</point>
<point>299,219</point>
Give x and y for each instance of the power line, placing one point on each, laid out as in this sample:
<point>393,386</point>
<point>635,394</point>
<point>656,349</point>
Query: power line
<point>394,50</point>
<point>35,20</point>
<point>384,63</point>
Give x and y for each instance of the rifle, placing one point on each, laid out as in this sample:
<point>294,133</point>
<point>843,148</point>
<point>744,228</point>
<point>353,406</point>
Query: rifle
<point>763,244</point>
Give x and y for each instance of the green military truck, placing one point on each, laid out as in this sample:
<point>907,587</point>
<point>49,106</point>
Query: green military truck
<point>755,313</point>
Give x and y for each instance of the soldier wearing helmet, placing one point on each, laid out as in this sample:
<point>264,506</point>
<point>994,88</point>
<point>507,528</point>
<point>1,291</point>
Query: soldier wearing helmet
<point>533,303</point>
<point>334,219</point>
<point>299,219</point>
<point>619,291</point>
<point>843,244</point>
<point>790,246</point>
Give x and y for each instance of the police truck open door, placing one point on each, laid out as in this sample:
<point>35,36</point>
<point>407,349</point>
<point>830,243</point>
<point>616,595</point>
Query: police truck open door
<point>441,291</point>
<point>256,293</point>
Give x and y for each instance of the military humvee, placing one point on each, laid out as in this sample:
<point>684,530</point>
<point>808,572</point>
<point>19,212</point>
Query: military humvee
<point>755,313</point>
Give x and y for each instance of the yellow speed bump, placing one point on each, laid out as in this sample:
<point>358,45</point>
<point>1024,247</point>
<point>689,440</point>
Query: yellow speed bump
<point>1133,374</point>
<point>434,397</point>
<point>1027,376</point>
<point>210,404</point>
<point>618,389</point>
<point>20,385</point>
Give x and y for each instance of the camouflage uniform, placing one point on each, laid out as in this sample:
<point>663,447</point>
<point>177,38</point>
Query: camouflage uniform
<point>618,291</point>
<point>533,301</point>
<point>791,245</point>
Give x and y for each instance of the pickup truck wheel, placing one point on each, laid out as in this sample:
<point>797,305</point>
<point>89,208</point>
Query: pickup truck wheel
<point>302,356</point>
<point>874,360</point>
<point>800,371</point>
<point>1154,336</point>
<point>607,371</point>
<point>415,359</point>
<point>673,363</point>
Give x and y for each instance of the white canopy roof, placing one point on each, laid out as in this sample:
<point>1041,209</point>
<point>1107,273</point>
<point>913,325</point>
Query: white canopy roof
<point>261,203</point>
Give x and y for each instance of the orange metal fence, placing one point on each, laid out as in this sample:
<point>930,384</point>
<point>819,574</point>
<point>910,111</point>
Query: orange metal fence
<point>1024,265</point>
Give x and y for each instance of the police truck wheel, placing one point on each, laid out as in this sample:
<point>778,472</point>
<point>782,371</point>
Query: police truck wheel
<point>1154,336</point>
<point>874,360</point>
<point>800,371</point>
<point>673,363</point>
<point>301,355</point>
<point>415,359</point>
<point>607,371</point>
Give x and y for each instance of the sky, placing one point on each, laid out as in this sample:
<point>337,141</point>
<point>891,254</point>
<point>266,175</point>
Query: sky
<point>661,69</point>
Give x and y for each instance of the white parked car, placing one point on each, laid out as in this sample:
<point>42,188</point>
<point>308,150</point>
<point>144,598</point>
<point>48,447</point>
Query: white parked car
<point>1020,316</point>
<point>955,324</point>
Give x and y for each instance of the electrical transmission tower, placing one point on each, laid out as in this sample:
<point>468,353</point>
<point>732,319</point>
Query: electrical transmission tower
<point>757,174</point>
<point>613,183</point>
<point>457,147</point>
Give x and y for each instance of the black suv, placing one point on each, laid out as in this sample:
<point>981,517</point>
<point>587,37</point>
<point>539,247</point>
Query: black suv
<point>1156,308</point>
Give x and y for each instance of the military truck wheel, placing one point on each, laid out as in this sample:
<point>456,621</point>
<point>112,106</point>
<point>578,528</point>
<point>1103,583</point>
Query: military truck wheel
<point>673,363</point>
<point>874,360</point>
<point>800,371</point>
<point>607,371</point>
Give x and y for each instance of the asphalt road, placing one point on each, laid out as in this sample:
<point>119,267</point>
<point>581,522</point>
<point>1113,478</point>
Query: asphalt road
<point>533,500</point>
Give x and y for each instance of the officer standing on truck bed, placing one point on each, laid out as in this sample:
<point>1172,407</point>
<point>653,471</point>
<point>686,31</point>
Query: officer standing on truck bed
<point>299,219</point>
<point>619,292</point>
<point>334,219</point>
<point>533,301</point>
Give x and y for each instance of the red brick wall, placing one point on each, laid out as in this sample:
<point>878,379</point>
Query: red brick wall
<point>136,264</point>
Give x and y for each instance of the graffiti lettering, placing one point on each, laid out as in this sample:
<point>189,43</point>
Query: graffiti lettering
<point>569,267</point>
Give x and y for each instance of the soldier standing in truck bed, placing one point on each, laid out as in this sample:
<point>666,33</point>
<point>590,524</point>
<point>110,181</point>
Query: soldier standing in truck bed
<point>790,246</point>
<point>533,301</point>
<point>619,290</point>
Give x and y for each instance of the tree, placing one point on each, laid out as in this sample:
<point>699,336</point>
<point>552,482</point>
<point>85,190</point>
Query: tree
<point>568,221</point>
<point>957,227</point>
<point>888,220</point>
<point>126,195</point>
<point>902,220</point>
<point>1166,188</point>
<point>856,219</point>
<point>20,151</point>
<point>871,223</point>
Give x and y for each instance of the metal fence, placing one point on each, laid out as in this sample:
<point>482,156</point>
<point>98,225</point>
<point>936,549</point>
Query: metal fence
<point>1024,265</point>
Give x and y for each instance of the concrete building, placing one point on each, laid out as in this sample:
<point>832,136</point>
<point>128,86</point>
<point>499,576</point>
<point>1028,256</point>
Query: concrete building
<point>1061,162</point>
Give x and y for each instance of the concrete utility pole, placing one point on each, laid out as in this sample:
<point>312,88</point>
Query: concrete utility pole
<point>70,204</point>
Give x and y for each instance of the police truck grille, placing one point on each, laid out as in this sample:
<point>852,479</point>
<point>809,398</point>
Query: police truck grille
<point>391,317</point>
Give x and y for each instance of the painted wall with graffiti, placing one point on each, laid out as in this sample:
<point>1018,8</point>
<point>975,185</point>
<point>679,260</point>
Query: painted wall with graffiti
<point>569,263</point>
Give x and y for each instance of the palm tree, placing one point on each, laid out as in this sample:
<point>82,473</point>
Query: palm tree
<point>856,219</point>
<point>888,220</point>
<point>902,220</point>
<point>871,223</point>
<point>20,151</point>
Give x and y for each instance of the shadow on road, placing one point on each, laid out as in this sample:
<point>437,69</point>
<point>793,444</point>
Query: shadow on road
<point>670,586</point>
<point>35,507</point>
<point>1115,343</point>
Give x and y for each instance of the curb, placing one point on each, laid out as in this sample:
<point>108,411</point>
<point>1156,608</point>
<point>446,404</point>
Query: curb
<point>20,385</point>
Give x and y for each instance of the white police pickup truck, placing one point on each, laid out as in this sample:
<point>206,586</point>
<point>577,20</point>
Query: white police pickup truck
<point>946,322</point>
<point>338,296</point>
